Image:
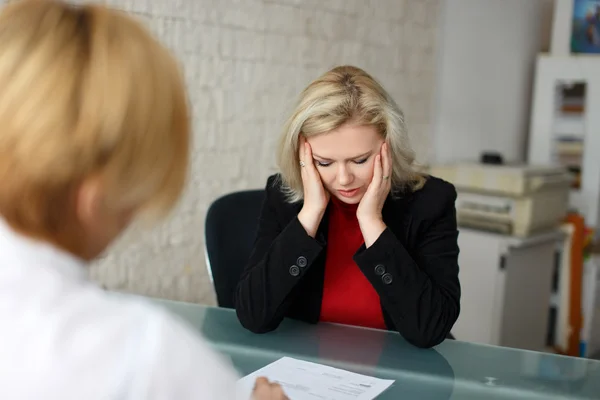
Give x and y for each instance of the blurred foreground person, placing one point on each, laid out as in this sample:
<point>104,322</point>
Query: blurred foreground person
<point>94,133</point>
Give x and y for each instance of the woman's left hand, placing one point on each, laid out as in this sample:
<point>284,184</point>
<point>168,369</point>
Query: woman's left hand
<point>369,209</point>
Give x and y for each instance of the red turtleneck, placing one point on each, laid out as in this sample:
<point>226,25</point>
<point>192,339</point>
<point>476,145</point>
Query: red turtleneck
<point>348,297</point>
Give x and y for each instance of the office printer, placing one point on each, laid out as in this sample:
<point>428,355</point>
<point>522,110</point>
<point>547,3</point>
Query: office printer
<point>518,200</point>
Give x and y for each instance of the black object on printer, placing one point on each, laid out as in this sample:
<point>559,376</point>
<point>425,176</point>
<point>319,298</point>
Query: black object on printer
<point>491,158</point>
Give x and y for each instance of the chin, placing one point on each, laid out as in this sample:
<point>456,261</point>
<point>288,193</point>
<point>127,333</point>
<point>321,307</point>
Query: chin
<point>350,200</point>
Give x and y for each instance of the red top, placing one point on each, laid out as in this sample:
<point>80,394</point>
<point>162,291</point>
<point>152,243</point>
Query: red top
<point>348,297</point>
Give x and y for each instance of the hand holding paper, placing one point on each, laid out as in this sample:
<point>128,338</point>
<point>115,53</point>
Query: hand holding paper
<point>302,380</point>
<point>265,390</point>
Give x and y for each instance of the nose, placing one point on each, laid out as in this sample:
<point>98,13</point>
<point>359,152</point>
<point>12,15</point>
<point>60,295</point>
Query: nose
<point>345,176</point>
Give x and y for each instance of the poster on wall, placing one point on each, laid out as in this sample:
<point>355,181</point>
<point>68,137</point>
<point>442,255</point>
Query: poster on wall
<point>585,37</point>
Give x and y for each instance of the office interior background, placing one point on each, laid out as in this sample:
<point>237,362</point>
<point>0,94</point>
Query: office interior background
<point>472,76</point>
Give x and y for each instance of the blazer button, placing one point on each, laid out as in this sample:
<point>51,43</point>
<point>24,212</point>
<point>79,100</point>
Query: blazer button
<point>302,262</point>
<point>379,270</point>
<point>387,278</point>
<point>294,270</point>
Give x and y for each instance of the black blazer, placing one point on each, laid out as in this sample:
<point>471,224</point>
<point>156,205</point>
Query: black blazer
<point>413,265</point>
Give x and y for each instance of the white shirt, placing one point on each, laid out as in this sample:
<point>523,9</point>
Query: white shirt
<point>62,337</point>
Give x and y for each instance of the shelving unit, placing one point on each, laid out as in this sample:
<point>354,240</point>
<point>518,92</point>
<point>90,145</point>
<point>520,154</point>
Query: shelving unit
<point>565,129</point>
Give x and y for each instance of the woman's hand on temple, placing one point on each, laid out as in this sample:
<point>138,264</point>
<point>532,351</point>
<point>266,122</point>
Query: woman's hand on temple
<point>370,207</point>
<point>316,197</point>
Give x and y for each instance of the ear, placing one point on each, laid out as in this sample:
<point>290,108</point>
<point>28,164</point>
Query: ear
<point>90,201</point>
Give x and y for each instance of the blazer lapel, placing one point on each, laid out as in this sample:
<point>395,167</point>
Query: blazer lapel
<point>395,217</point>
<point>323,229</point>
<point>388,212</point>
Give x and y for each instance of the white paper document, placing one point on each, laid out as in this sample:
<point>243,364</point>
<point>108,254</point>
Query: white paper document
<point>303,380</point>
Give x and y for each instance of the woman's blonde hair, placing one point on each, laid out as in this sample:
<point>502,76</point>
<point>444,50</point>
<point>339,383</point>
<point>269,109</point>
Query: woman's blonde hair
<point>86,91</point>
<point>343,95</point>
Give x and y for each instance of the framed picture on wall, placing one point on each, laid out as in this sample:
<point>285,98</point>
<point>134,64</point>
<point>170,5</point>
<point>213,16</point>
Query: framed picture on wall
<point>585,36</point>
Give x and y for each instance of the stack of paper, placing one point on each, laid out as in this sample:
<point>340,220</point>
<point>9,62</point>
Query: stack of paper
<point>305,380</point>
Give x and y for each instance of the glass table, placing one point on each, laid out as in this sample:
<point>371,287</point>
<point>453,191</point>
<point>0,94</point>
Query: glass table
<point>452,370</point>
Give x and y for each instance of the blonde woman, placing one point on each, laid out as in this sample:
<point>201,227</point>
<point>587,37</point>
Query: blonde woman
<point>94,133</point>
<point>350,232</point>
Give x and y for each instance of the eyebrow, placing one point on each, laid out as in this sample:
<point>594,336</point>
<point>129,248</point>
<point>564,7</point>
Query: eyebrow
<point>368,153</point>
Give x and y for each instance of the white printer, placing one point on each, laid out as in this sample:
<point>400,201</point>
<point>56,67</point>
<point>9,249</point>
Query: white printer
<point>519,200</point>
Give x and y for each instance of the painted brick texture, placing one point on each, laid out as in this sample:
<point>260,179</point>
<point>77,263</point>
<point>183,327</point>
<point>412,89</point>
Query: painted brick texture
<point>245,62</point>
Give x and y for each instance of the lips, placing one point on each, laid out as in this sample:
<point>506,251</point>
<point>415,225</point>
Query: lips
<point>348,193</point>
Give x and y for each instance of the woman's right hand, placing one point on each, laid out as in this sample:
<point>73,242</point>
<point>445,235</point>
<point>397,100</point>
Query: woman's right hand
<point>316,197</point>
<point>265,390</point>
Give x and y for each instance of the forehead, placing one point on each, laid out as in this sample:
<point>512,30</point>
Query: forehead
<point>347,141</point>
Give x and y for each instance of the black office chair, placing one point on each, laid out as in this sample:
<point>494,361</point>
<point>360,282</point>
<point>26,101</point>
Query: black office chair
<point>229,232</point>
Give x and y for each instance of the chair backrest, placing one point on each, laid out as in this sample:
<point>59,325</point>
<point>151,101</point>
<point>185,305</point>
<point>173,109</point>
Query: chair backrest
<point>229,233</point>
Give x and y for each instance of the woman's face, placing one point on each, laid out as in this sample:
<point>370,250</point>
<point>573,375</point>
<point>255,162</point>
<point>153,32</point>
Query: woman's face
<point>345,158</point>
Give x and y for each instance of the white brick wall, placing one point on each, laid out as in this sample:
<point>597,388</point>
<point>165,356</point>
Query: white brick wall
<point>245,63</point>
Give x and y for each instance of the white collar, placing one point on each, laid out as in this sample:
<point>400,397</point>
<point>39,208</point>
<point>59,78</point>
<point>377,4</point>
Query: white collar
<point>18,249</point>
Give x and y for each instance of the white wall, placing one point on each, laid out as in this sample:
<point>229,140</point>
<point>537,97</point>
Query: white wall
<point>245,62</point>
<point>485,74</point>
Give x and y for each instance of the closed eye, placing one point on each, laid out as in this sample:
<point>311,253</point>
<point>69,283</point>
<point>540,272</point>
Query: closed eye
<point>361,161</point>
<point>322,163</point>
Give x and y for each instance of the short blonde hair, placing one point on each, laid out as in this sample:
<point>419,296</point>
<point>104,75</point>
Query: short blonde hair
<point>86,91</point>
<point>346,94</point>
